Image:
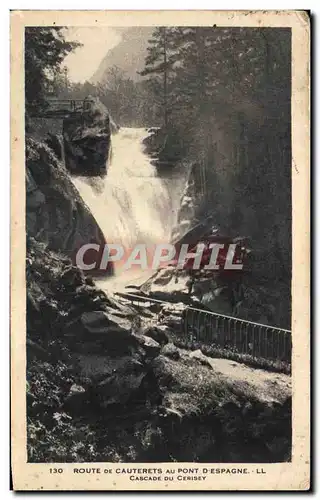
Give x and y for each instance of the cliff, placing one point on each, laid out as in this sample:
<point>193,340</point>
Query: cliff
<point>87,139</point>
<point>55,213</point>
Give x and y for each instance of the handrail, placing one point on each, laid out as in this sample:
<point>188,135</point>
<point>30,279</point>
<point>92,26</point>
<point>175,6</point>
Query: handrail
<point>149,299</point>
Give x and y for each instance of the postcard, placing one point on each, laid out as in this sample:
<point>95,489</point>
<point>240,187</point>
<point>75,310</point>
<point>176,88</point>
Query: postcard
<point>160,250</point>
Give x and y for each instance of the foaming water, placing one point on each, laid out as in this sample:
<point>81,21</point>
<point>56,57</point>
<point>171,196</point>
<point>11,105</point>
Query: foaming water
<point>131,204</point>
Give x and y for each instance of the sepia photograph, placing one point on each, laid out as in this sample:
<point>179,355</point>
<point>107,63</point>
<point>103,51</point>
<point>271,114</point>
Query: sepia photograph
<point>157,243</point>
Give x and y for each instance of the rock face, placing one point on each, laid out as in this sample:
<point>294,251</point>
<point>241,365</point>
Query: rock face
<point>167,284</point>
<point>110,354</point>
<point>258,182</point>
<point>159,333</point>
<point>172,285</point>
<point>87,139</point>
<point>55,212</point>
<point>171,351</point>
<point>129,53</point>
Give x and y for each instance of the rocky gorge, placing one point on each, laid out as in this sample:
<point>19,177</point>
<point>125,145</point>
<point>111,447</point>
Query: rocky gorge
<point>108,381</point>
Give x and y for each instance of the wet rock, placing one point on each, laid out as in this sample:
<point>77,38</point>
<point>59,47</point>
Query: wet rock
<point>119,384</point>
<point>119,308</point>
<point>89,281</point>
<point>54,142</point>
<point>159,333</point>
<point>171,351</point>
<point>71,278</point>
<point>150,346</point>
<point>87,139</point>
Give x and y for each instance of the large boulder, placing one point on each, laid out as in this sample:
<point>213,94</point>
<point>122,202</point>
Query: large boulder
<point>159,333</point>
<point>120,386</point>
<point>100,323</point>
<point>87,139</point>
<point>171,351</point>
<point>150,347</point>
<point>104,381</point>
<point>96,332</point>
<point>115,379</point>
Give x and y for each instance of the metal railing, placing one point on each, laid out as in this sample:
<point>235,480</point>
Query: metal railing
<point>242,336</point>
<point>228,332</point>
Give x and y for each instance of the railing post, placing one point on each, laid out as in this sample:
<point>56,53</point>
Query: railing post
<point>245,336</point>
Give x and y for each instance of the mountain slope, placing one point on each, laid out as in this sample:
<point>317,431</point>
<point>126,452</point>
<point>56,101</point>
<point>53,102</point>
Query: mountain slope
<point>129,54</point>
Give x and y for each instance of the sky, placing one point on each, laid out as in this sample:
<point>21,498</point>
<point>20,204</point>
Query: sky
<point>84,61</point>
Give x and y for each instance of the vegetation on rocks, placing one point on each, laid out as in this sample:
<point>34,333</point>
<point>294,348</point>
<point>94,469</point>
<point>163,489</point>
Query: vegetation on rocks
<point>93,398</point>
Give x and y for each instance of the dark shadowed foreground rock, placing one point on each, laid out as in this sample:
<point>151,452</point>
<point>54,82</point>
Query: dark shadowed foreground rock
<point>109,380</point>
<point>150,346</point>
<point>99,322</point>
<point>159,333</point>
<point>171,351</point>
<point>167,285</point>
<point>87,139</point>
<point>99,390</point>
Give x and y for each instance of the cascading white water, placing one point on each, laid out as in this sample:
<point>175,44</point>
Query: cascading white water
<point>131,204</point>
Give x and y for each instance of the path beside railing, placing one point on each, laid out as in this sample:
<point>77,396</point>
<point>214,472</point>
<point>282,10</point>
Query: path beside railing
<point>229,332</point>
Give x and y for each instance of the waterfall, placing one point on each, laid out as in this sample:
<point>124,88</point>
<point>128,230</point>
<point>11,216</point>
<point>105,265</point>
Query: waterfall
<point>131,204</point>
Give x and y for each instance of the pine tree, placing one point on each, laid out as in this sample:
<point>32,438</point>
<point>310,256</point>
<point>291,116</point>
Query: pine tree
<point>159,67</point>
<point>45,49</point>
